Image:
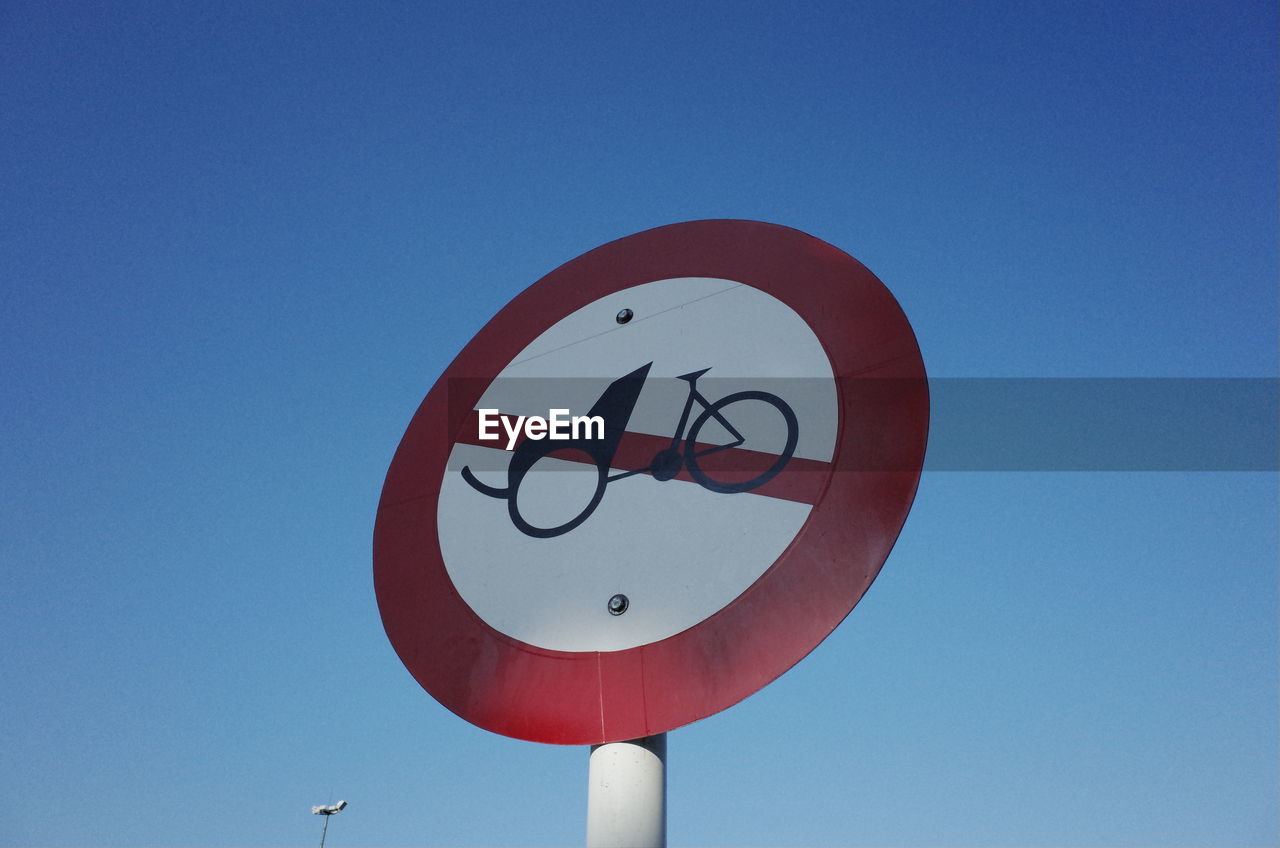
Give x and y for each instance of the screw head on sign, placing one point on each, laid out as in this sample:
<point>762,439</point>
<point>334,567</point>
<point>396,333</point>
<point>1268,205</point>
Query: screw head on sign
<point>624,316</point>
<point>618,604</point>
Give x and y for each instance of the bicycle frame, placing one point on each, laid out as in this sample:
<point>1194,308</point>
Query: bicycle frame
<point>694,395</point>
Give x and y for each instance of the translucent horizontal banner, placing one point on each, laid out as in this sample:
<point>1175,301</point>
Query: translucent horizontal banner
<point>976,424</point>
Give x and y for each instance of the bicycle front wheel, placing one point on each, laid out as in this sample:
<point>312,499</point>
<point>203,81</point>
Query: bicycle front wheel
<point>762,432</point>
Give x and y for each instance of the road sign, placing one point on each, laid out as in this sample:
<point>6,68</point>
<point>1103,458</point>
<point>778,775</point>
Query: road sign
<point>652,483</point>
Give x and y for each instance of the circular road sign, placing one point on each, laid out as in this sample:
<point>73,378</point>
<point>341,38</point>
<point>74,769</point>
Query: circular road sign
<point>655,481</point>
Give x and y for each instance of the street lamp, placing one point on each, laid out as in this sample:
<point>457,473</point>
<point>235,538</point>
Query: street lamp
<point>327,811</point>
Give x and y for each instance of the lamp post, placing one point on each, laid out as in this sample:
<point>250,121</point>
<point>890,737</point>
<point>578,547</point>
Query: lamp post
<point>327,811</point>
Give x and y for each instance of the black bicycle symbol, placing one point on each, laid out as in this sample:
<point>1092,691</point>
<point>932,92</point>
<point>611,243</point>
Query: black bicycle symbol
<point>615,406</point>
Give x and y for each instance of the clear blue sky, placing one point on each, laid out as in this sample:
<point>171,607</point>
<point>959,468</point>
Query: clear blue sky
<point>240,240</point>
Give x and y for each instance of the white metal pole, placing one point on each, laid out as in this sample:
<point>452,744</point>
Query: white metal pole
<point>627,794</point>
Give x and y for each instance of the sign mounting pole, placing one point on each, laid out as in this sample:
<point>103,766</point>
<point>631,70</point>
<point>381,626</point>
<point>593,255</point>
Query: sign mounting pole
<point>627,794</point>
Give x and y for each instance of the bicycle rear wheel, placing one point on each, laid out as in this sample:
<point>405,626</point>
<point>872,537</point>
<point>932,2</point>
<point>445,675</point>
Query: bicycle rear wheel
<point>524,525</point>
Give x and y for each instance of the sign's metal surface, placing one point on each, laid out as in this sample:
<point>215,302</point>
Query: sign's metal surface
<point>761,409</point>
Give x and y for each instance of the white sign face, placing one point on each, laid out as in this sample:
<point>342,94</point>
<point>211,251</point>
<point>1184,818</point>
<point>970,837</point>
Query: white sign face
<point>576,560</point>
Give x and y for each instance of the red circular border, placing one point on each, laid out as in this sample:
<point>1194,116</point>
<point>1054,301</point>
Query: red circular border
<point>519,690</point>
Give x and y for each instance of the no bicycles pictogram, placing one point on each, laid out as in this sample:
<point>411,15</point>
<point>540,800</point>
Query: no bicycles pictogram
<point>767,395</point>
<point>615,406</point>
